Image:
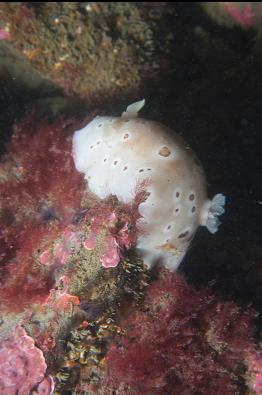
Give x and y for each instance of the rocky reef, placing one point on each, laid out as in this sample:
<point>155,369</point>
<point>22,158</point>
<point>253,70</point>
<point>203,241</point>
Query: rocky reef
<point>79,312</point>
<point>69,274</point>
<point>55,240</point>
<point>91,49</point>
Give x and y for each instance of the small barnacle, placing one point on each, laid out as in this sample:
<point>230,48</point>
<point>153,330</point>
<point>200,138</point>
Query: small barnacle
<point>62,376</point>
<point>83,357</point>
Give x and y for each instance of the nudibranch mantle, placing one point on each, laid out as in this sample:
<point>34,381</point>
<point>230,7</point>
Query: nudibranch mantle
<point>116,154</point>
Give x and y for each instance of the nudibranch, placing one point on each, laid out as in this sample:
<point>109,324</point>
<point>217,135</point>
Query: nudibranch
<point>118,153</point>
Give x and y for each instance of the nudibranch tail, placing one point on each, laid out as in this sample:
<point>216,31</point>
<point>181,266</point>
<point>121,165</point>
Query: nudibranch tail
<point>212,211</point>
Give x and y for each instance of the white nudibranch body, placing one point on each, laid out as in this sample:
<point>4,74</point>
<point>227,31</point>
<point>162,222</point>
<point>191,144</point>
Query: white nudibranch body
<point>116,154</point>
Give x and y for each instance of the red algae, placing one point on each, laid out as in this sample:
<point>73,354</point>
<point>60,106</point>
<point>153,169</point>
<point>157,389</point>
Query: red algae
<point>43,151</point>
<point>40,192</point>
<point>183,341</point>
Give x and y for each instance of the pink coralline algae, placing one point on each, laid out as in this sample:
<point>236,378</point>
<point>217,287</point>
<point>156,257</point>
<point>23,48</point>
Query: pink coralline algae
<point>46,387</point>
<point>22,365</point>
<point>90,243</point>
<point>60,299</point>
<point>186,342</point>
<point>111,256</point>
<point>118,223</point>
<point>63,249</point>
<point>59,254</point>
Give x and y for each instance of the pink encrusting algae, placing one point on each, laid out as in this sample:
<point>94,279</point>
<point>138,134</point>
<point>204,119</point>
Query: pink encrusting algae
<point>22,365</point>
<point>59,298</point>
<point>46,387</point>
<point>118,223</point>
<point>111,255</point>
